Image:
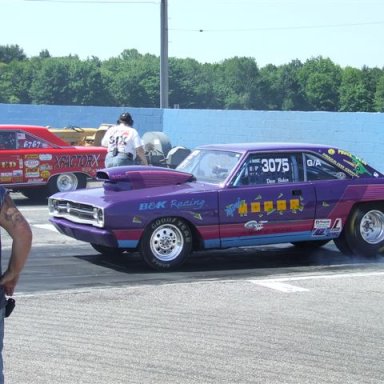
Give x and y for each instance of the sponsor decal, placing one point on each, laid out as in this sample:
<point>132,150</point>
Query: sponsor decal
<point>324,227</point>
<point>337,226</point>
<point>32,174</point>
<point>254,225</point>
<point>8,164</point>
<point>32,163</point>
<point>31,181</point>
<point>77,161</point>
<point>322,223</point>
<point>174,204</point>
<point>153,205</point>
<point>45,157</point>
<point>45,167</point>
<point>45,174</point>
<point>192,203</point>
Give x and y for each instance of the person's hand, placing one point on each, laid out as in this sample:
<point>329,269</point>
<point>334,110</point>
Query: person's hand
<point>9,281</point>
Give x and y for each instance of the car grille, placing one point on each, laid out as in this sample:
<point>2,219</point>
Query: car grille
<point>76,212</point>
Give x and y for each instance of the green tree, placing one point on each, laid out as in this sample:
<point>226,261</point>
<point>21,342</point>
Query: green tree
<point>190,84</point>
<point>15,82</point>
<point>293,94</point>
<point>133,79</point>
<point>9,53</point>
<point>320,80</point>
<point>271,88</point>
<point>86,85</point>
<point>370,79</point>
<point>236,83</point>
<point>379,95</point>
<point>51,83</point>
<point>44,54</point>
<point>353,94</point>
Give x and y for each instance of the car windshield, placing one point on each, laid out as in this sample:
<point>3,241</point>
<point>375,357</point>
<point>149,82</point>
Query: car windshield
<point>210,166</point>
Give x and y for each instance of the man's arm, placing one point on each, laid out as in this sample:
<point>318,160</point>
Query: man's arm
<point>18,228</point>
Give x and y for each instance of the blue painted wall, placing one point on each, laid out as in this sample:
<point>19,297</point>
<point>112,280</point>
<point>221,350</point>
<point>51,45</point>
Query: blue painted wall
<point>360,133</point>
<point>56,116</point>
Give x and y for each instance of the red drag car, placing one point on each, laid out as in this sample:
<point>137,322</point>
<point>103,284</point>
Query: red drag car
<point>38,163</point>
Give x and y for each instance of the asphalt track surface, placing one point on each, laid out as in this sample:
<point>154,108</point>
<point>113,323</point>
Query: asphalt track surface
<point>265,315</point>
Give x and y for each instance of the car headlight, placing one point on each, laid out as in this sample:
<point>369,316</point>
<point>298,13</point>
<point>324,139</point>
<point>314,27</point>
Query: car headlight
<point>98,215</point>
<point>53,206</point>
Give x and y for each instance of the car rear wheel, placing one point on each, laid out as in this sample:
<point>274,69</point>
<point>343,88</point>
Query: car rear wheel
<point>364,231</point>
<point>342,244</point>
<point>166,243</point>
<point>66,182</point>
<point>107,251</point>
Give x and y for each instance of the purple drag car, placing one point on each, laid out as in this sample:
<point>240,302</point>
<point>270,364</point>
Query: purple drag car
<point>230,195</point>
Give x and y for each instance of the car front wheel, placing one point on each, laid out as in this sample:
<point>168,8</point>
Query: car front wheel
<point>364,230</point>
<point>166,243</point>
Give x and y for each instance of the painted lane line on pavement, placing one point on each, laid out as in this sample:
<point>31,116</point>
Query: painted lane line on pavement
<point>279,286</point>
<point>46,226</point>
<point>315,277</point>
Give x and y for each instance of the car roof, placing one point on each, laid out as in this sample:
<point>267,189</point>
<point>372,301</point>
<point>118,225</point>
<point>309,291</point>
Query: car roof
<point>263,146</point>
<point>40,131</point>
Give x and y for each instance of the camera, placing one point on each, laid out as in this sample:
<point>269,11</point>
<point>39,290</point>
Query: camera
<point>9,306</point>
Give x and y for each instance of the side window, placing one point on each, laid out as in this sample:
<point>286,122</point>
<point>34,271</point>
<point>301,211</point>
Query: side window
<point>267,168</point>
<point>315,168</point>
<point>7,140</point>
<point>27,141</point>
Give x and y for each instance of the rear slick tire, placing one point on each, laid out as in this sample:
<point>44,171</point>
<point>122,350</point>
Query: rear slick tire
<point>364,231</point>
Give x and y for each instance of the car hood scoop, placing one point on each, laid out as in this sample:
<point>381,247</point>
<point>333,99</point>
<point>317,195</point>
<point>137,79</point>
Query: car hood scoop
<point>130,177</point>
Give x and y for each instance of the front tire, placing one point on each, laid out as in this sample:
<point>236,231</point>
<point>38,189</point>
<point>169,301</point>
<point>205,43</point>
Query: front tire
<point>166,243</point>
<point>364,230</point>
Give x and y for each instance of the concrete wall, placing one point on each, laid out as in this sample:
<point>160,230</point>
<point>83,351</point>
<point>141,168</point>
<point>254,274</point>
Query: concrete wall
<point>360,133</point>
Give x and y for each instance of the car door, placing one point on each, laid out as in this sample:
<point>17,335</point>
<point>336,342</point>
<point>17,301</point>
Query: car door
<point>24,159</point>
<point>11,161</point>
<point>267,202</point>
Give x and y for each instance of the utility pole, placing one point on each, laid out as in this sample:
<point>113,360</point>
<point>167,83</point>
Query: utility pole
<point>164,54</point>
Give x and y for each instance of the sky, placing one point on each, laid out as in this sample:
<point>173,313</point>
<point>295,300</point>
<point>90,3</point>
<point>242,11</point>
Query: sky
<point>349,32</point>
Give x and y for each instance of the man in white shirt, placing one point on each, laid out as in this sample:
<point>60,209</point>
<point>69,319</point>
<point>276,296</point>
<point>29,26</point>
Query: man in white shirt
<point>124,143</point>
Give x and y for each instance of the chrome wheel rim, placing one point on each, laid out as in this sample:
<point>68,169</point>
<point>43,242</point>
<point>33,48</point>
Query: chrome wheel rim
<point>167,242</point>
<point>372,227</point>
<point>67,182</point>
